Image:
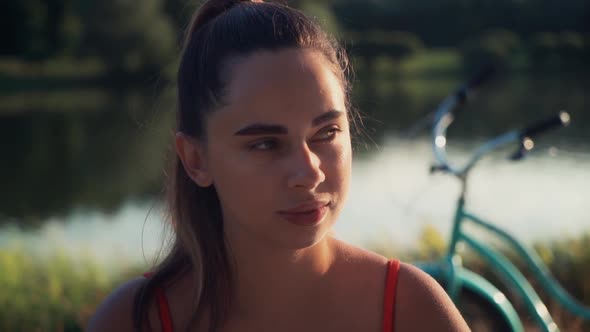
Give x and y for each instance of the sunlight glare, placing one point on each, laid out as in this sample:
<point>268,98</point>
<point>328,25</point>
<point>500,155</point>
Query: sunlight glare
<point>440,141</point>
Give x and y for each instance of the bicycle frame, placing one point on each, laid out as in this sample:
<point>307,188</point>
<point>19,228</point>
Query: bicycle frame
<point>450,270</point>
<point>454,276</point>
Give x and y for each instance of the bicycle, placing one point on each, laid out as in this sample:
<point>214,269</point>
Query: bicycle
<point>463,284</point>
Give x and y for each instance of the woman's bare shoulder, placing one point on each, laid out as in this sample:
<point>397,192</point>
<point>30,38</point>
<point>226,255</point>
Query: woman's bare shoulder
<point>356,266</point>
<point>116,312</point>
<point>358,277</point>
<point>423,305</point>
<point>357,255</point>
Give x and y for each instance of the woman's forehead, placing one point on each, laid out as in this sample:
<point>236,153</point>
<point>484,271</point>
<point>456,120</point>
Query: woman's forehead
<point>265,75</point>
<point>277,86</point>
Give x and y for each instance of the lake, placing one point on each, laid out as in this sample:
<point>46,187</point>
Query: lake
<point>82,168</point>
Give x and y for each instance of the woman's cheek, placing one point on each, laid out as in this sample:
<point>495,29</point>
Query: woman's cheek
<point>339,166</point>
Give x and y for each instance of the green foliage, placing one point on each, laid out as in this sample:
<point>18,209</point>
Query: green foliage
<point>66,68</point>
<point>496,46</point>
<point>431,244</point>
<point>395,44</point>
<point>59,293</point>
<point>569,263</point>
<point>38,30</point>
<point>135,40</point>
<point>568,260</point>
<point>130,38</point>
<point>53,294</point>
<point>126,130</point>
<point>322,12</point>
<point>551,50</point>
<point>432,63</point>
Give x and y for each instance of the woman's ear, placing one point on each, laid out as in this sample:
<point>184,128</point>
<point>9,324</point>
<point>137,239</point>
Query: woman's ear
<point>192,154</point>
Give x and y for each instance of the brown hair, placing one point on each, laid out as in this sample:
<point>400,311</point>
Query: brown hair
<point>220,31</point>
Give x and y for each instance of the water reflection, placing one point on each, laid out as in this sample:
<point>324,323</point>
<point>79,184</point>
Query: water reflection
<point>505,103</point>
<point>98,157</point>
<point>392,199</point>
<point>393,196</point>
<point>92,154</point>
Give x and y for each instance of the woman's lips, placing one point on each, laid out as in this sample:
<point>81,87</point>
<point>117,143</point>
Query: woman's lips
<point>306,214</point>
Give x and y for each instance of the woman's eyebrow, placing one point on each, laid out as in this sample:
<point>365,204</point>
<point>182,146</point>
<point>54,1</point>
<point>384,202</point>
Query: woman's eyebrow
<point>256,129</point>
<point>330,115</point>
<point>262,129</point>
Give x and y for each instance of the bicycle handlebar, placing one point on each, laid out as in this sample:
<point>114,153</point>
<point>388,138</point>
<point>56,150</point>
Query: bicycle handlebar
<point>561,119</point>
<point>527,134</point>
<point>444,117</point>
<point>457,98</point>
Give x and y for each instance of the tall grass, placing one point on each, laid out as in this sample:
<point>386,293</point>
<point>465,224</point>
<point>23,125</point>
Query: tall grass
<point>568,260</point>
<point>60,293</point>
<point>52,294</point>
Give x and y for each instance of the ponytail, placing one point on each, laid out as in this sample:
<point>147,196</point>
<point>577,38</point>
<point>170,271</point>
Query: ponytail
<point>208,12</point>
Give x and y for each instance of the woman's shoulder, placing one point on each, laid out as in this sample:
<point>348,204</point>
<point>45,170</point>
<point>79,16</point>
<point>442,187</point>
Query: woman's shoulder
<point>357,279</point>
<point>115,313</point>
<point>352,254</point>
<point>358,266</point>
<point>419,296</point>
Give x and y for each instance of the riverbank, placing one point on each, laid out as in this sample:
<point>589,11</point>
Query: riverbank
<point>59,293</point>
<point>91,72</point>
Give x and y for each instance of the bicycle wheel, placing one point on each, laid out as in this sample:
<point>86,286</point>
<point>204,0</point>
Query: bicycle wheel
<point>480,314</point>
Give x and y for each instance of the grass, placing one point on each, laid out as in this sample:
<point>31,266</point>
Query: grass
<point>60,293</point>
<point>70,72</point>
<point>59,67</point>
<point>55,294</point>
<point>568,260</point>
<point>66,100</point>
<point>17,74</point>
<point>432,63</point>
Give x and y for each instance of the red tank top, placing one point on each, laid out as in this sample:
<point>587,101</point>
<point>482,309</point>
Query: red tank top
<point>388,307</point>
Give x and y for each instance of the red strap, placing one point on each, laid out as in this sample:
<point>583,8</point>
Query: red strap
<point>389,303</point>
<point>163,308</point>
<point>388,312</point>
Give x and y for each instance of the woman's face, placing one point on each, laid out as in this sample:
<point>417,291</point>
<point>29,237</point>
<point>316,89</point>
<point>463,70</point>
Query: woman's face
<point>279,152</point>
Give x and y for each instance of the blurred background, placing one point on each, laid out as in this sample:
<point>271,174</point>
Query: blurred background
<point>87,117</point>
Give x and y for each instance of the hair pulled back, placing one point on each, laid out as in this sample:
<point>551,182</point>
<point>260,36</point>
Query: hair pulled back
<point>220,32</point>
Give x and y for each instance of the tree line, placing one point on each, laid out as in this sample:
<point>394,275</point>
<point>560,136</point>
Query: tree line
<point>143,36</point>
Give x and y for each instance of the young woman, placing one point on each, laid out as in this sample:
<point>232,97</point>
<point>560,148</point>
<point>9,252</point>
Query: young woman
<point>262,173</point>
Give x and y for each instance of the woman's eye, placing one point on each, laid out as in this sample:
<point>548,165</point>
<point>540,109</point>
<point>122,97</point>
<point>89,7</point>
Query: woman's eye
<point>263,145</point>
<point>328,134</point>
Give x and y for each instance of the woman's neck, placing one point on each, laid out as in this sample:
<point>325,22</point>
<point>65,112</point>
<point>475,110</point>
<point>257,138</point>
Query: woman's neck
<point>266,279</point>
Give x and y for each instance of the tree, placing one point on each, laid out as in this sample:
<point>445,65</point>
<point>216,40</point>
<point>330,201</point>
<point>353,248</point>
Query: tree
<point>131,37</point>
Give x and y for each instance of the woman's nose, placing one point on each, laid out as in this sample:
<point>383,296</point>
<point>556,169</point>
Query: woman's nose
<point>305,170</point>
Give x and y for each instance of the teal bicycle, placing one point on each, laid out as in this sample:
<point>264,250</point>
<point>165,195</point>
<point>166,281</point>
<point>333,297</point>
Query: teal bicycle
<point>464,285</point>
